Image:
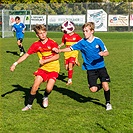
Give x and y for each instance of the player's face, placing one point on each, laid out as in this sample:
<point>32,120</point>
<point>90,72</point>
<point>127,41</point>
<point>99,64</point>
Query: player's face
<point>17,21</point>
<point>42,34</point>
<point>87,32</point>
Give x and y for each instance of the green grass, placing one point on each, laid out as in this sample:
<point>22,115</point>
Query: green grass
<point>72,109</point>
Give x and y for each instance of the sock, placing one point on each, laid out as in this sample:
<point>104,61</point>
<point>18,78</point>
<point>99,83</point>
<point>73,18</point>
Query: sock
<point>31,99</point>
<point>70,74</point>
<point>21,48</point>
<point>99,87</point>
<point>46,93</point>
<point>107,96</point>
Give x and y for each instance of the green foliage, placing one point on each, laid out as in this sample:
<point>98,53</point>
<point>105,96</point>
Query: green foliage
<point>72,109</point>
<point>70,8</point>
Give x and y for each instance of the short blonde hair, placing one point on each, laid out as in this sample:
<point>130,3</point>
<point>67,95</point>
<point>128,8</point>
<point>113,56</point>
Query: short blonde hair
<point>90,24</point>
<point>39,27</point>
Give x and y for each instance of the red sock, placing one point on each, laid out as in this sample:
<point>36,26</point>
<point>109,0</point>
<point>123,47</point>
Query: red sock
<point>70,74</point>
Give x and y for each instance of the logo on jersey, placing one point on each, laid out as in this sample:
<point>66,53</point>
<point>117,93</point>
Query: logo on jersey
<point>74,38</point>
<point>97,46</point>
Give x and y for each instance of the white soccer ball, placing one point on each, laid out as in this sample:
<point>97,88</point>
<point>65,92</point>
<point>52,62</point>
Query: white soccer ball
<point>67,27</point>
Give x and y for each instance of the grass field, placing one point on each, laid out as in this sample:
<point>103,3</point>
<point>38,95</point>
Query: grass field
<point>72,109</point>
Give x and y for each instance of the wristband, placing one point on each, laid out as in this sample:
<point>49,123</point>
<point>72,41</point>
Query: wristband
<point>15,64</point>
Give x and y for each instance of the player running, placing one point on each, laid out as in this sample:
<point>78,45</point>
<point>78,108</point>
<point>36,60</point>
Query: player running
<point>93,50</point>
<point>19,28</point>
<point>49,69</point>
<point>69,38</point>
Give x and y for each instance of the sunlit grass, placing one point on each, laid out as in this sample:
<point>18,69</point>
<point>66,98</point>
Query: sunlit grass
<point>72,109</point>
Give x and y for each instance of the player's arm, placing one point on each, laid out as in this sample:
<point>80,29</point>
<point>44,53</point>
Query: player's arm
<point>62,50</point>
<point>65,50</point>
<point>53,58</point>
<point>24,27</point>
<point>21,59</point>
<point>61,45</point>
<point>104,53</point>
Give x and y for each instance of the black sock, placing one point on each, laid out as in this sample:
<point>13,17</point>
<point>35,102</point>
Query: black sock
<point>99,87</point>
<point>46,93</point>
<point>21,48</point>
<point>107,96</point>
<point>31,99</point>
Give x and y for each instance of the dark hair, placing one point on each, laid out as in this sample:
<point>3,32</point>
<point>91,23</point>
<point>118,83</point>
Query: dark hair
<point>17,17</point>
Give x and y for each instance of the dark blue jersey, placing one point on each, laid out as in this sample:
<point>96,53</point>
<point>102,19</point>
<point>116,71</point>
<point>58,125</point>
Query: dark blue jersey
<point>90,53</point>
<point>18,29</point>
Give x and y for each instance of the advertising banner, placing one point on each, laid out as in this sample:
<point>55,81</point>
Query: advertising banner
<point>118,20</point>
<point>35,19</point>
<point>38,19</point>
<point>59,19</point>
<point>131,20</point>
<point>24,19</point>
<point>99,17</point>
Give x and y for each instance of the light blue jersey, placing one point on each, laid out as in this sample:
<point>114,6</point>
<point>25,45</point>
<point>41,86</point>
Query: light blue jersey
<point>91,59</point>
<point>18,29</point>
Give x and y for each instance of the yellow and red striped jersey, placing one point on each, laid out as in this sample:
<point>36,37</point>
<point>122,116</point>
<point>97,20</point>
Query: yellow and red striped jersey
<point>44,51</point>
<point>69,40</point>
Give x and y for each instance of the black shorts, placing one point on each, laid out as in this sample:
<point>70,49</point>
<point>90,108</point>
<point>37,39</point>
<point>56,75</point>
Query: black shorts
<point>21,40</point>
<point>94,75</point>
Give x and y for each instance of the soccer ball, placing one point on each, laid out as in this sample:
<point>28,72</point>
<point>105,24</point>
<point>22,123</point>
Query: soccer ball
<point>67,27</point>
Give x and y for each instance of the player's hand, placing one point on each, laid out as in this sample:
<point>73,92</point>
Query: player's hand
<point>12,68</point>
<point>104,53</point>
<point>56,50</point>
<point>42,61</point>
<point>101,53</point>
<point>59,46</point>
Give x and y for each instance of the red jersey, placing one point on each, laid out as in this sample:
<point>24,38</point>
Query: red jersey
<point>69,40</point>
<point>44,51</point>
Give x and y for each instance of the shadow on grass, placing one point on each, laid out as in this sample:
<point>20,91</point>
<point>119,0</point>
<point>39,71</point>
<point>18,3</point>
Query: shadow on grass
<point>13,52</point>
<point>62,77</point>
<point>102,127</point>
<point>78,97</point>
<point>26,94</point>
<point>70,93</point>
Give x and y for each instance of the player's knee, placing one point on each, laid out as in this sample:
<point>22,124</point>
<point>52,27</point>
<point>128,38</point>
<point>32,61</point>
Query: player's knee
<point>34,89</point>
<point>105,86</point>
<point>49,89</point>
<point>93,89</point>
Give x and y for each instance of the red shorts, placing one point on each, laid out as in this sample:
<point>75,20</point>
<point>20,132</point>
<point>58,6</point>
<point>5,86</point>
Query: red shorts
<point>46,75</point>
<point>70,60</point>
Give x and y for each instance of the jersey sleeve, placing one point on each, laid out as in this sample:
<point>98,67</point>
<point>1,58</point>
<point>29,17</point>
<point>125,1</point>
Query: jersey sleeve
<point>102,45</point>
<point>24,26</point>
<point>76,46</point>
<point>33,49</point>
<point>53,44</point>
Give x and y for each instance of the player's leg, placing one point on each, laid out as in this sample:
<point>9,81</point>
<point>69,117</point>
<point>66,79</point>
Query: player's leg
<point>50,84</point>
<point>92,77</point>
<point>104,77</point>
<point>70,70</point>
<point>48,90</point>
<point>21,48</point>
<point>38,80</point>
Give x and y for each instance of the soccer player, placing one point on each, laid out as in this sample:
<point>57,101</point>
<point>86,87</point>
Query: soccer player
<point>19,28</point>
<point>49,69</point>
<point>93,50</point>
<point>71,58</point>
